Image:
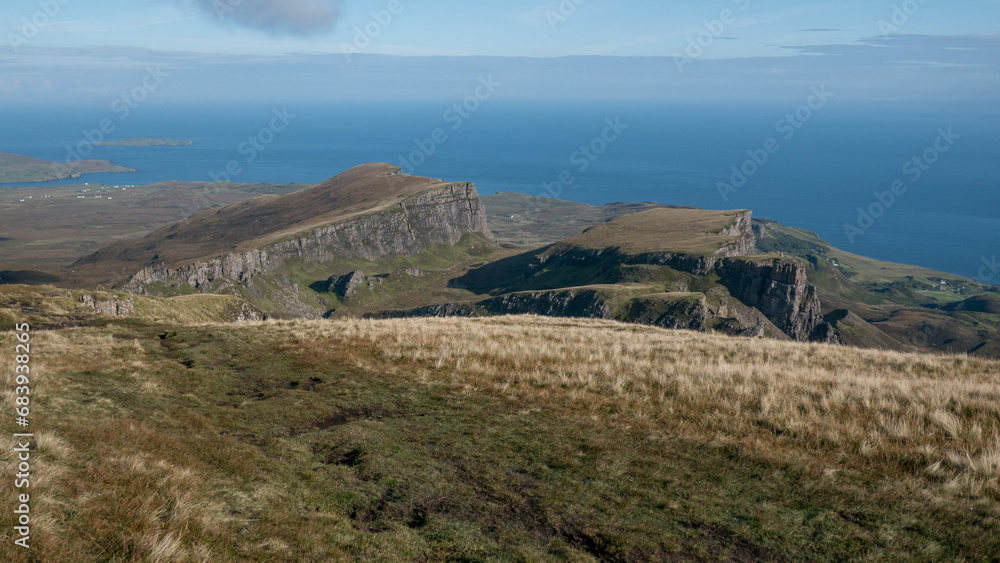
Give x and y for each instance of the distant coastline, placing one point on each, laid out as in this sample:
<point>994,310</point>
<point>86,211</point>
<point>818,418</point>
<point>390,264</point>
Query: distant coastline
<point>146,142</point>
<point>16,168</point>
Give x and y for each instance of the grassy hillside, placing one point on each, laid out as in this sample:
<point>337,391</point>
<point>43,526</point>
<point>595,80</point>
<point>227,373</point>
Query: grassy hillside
<point>872,303</point>
<point>266,219</point>
<point>522,221</point>
<point>691,231</point>
<point>501,439</point>
<point>47,307</point>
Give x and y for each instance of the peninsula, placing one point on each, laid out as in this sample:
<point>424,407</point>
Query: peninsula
<point>19,168</point>
<point>146,142</point>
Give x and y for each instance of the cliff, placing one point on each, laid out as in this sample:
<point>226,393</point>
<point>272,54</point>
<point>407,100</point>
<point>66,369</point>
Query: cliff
<point>344,243</point>
<point>778,289</point>
<point>439,214</point>
<point>581,302</point>
<point>673,268</point>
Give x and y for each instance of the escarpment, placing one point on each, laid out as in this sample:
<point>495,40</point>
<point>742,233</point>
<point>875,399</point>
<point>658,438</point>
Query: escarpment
<point>588,303</point>
<point>439,216</point>
<point>673,268</point>
<point>780,290</point>
<point>437,213</point>
<point>372,238</point>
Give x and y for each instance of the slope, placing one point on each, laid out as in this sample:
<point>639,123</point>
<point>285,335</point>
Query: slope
<point>516,438</point>
<point>266,219</point>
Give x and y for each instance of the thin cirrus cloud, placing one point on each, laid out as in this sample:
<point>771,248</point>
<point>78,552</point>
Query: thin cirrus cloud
<point>276,17</point>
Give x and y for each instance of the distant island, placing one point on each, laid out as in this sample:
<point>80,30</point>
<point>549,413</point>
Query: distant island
<point>146,142</point>
<point>16,168</point>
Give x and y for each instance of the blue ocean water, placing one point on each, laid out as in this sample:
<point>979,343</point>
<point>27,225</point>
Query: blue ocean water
<point>836,161</point>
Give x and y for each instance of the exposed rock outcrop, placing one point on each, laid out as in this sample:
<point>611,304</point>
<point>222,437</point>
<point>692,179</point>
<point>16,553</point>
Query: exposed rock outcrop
<point>723,291</point>
<point>778,289</point>
<point>122,308</point>
<point>443,310</point>
<point>437,216</point>
<point>587,303</point>
<point>746,245</point>
<point>668,311</point>
<point>346,285</point>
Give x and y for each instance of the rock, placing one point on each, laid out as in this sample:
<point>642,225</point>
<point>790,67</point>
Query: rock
<point>122,308</point>
<point>778,289</point>
<point>557,303</point>
<point>825,332</point>
<point>437,216</point>
<point>444,310</point>
<point>347,285</point>
<point>668,311</point>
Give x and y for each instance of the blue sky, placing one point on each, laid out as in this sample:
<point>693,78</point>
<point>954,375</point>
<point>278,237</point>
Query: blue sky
<point>90,48</point>
<point>509,28</point>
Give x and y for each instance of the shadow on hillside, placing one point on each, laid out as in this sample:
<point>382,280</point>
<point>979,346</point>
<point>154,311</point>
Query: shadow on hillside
<point>27,277</point>
<point>500,276</point>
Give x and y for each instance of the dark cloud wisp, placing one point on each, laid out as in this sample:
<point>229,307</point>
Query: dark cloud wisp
<point>277,17</point>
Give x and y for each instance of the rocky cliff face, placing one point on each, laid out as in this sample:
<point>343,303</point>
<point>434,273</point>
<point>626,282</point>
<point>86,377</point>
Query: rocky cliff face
<point>746,245</point>
<point>436,216</point>
<point>780,290</point>
<point>723,291</point>
<point>586,303</point>
<point>688,311</point>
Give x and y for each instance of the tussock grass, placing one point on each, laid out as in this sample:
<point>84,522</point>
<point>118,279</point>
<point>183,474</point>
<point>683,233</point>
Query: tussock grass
<point>500,439</point>
<point>695,231</point>
<point>778,397</point>
<point>51,307</point>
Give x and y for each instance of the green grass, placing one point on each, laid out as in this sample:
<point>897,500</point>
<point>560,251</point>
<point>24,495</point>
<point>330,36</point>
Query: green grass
<point>274,443</point>
<point>438,263</point>
<point>47,307</point>
<point>859,269</point>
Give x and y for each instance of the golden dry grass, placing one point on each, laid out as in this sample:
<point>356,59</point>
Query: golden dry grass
<point>695,231</point>
<point>140,457</point>
<point>826,407</point>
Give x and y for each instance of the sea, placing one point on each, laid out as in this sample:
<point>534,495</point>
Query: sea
<point>910,182</point>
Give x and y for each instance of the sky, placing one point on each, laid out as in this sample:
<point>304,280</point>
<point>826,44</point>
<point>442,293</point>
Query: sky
<point>85,49</point>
